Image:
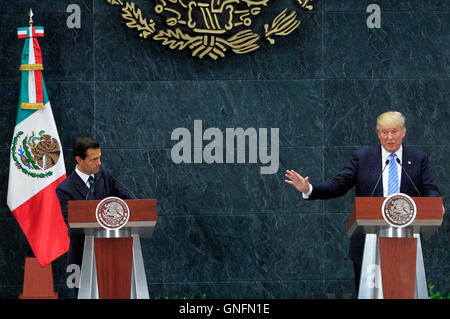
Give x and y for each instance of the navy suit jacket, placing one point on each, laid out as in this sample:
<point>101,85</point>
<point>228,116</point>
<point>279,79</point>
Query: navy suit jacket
<point>363,170</point>
<point>73,188</point>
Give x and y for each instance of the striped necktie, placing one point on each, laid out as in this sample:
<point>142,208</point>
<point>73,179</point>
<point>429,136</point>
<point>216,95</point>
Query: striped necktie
<point>92,183</point>
<point>393,176</point>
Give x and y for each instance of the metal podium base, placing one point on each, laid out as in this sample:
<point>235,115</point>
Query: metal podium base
<point>88,278</point>
<point>370,285</point>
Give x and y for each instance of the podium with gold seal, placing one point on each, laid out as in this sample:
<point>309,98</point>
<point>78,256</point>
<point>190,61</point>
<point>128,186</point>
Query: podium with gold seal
<point>392,266</point>
<point>112,265</point>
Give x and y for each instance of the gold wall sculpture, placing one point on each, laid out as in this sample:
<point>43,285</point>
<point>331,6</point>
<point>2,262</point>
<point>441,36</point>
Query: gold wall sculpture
<point>210,28</point>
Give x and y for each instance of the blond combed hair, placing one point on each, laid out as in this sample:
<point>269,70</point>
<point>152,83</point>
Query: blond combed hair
<point>391,119</point>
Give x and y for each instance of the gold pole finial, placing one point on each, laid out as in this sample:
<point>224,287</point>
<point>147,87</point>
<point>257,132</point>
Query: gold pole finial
<point>31,17</point>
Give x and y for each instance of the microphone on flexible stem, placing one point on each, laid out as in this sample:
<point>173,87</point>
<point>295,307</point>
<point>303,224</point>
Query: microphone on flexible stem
<point>117,181</point>
<point>398,161</point>
<point>89,191</point>
<point>382,171</point>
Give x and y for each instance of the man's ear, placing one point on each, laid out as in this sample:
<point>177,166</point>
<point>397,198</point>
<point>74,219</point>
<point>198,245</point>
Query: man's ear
<point>78,159</point>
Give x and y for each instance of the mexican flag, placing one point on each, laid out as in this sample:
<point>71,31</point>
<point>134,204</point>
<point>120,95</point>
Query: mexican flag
<point>36,160</point>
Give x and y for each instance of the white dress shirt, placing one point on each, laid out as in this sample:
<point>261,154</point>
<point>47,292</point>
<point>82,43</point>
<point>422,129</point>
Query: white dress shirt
<point>84,177</point>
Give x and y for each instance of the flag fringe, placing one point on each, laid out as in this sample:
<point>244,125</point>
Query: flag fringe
<point>31,67</point>
<point>32,106</point>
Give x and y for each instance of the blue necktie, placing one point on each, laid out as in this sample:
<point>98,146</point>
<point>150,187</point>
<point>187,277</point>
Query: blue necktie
<point>393,176</point>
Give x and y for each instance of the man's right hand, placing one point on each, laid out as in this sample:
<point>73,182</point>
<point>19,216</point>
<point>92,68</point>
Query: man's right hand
<point>299,182</point>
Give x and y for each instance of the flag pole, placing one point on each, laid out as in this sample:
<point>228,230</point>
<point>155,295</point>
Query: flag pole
<point>38,280</point>
<point>31,17</point>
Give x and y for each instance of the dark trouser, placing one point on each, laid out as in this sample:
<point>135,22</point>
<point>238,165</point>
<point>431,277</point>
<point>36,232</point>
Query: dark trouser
<point>75,255</point>
<point>357,272</point>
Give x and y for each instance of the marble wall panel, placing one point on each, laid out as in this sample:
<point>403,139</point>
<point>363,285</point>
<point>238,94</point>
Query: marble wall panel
<point>144,114</point>
<point>408,45</point>
<point>225,230</point>
<point>387,5</point>
<point>233,248</point>
<point>122,55</point>
<point>190,189</point>
<point>67,54</point>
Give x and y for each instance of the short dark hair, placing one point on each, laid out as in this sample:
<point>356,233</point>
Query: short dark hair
<point>82,144</point>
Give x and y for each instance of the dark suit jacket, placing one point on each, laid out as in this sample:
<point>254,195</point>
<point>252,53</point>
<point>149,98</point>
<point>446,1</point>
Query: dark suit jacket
<point>73,188</point>
<point>363,170</point>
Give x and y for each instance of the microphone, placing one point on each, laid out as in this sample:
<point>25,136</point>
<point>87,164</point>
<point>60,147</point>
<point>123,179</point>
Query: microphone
<point>382,171</point>
<point>117,181</point>
<point>89,191</point>
<point>398,161</point>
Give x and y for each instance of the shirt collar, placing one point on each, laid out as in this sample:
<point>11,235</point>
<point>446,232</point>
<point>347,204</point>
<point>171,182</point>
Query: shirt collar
<point>84,177</point>
<point>385,154</point>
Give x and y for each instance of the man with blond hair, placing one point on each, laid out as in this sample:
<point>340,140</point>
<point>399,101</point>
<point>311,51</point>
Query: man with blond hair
<point>365,168</point>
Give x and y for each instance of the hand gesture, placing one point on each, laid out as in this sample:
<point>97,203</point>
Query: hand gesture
<point>299,182</point>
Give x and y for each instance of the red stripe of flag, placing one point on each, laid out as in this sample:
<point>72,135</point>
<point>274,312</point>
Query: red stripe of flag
<point>43,224</point>
<point>37,52</point>
<point>39,87</point>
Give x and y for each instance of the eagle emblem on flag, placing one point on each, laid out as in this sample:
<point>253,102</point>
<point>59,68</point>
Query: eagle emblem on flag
<point>35,154</point>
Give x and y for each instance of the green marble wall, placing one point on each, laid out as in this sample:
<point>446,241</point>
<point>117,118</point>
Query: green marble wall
<point>225,229</point>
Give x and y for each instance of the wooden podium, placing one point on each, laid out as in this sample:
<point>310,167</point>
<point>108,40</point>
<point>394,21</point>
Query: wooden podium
<point>37,281</point>
<point>112,265</point>
<point>392,265</point>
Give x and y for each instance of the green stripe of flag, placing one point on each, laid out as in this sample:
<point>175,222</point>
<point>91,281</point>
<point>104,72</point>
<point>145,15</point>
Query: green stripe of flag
<point>21,113</point>
<point>26,52</point>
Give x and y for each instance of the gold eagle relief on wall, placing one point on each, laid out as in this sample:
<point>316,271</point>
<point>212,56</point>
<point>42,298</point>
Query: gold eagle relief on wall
<point>210,27</point>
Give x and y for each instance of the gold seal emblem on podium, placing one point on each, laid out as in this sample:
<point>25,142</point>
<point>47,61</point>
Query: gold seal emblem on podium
<point>399,210</point>
<point>112,213</point>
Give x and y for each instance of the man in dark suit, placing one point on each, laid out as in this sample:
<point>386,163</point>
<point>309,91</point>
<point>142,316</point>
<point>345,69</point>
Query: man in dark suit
<point>364,169</point>
<point>87,182</point>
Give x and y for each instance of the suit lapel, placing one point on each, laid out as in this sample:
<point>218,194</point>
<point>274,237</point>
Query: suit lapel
<point>378,168</point>
<point>99,185</point>
<point>407,164</point>
<point>80,186</point>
